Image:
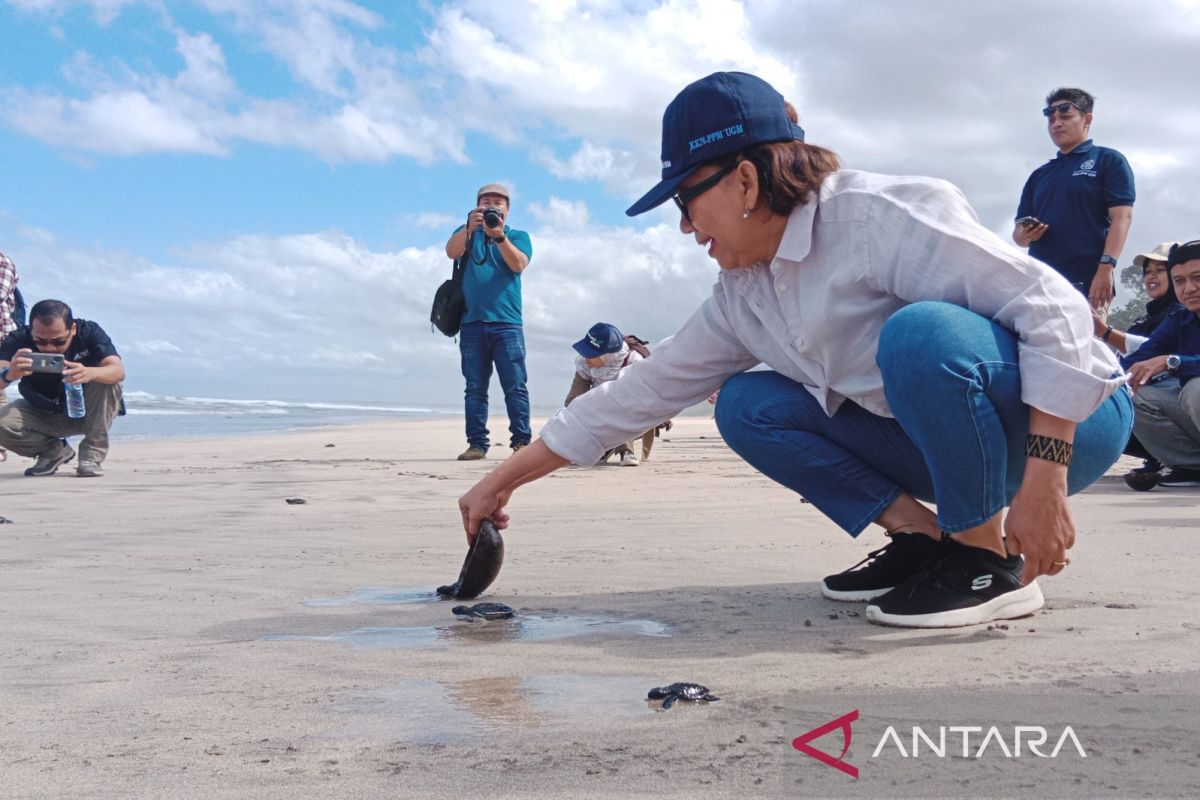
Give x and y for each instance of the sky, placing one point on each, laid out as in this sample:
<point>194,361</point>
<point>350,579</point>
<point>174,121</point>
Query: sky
<point>253,198</point>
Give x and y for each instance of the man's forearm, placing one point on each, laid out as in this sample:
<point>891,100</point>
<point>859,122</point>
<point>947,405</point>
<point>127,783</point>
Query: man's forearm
<point>513,257</point>
<point>457,245</point>
<point>1114,243</point>
<point>109,373</point>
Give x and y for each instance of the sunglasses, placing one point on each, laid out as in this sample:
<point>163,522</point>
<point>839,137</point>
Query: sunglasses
<point>1061,108</point>
<point>51,342</point>
<point>685,196</point>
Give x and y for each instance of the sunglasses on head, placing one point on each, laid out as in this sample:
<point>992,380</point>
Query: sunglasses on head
<point>1061,108</point>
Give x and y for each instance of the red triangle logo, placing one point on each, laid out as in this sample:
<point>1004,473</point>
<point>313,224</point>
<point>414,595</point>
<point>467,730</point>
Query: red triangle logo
<point>801,743</point>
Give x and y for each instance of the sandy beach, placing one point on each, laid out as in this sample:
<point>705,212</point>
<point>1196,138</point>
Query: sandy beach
<point>177,630</point>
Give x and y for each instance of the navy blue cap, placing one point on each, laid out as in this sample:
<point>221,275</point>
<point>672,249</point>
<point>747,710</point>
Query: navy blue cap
<point>1186,251</point>
<point>716,116</point>
<point>601,339</point>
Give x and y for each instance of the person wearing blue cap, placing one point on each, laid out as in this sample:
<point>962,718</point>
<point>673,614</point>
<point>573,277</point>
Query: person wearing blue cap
<point>914,358</point>
<point>603,353</point>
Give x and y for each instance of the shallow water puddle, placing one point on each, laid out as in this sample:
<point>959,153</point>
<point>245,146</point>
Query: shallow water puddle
<point>526,628</point>
<point>379,596</point>
<point>431,712</point>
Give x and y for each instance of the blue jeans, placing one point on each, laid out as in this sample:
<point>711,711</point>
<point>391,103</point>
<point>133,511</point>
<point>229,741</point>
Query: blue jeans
<point>952,380</point>
<point>481,345</point>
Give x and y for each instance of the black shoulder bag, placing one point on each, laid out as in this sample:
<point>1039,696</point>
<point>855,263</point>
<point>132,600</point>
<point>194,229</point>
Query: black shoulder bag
<point>449,304</point>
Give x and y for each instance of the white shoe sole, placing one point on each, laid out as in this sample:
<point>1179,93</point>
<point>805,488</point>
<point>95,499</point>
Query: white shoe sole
<point>1009,605</point>
<point>853,597</point>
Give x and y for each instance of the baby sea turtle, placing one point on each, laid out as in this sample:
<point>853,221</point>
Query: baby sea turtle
<point>481,566</point>
<point>692,692</point>
<point>484,611</point>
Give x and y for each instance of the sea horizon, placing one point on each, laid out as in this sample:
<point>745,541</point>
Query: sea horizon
<point>150,415</point>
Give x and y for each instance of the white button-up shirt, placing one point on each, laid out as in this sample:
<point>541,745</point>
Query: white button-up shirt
<point>864,247</point>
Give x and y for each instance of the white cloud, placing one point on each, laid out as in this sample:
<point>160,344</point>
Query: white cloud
<point>352,104</point>
<point>153,347</point>
<point>435,221</point>
<point>614,167</point>
<point>122,123</point>
<point>103,11</point>
<point>559,214</point>
<point>601,73</point>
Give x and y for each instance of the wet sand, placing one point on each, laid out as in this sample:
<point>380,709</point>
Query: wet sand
<point>176,629</point>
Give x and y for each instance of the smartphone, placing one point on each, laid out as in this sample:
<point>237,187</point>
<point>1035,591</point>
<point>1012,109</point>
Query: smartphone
<point>1029,222</point>
<point>47,362</point>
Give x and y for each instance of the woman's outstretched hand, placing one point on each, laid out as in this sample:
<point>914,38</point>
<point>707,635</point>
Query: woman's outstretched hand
<point>479,504</point>
<point>489,498</point>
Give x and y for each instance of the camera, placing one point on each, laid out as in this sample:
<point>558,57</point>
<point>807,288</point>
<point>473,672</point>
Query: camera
<point>47,362</point>
<point>492,218</point>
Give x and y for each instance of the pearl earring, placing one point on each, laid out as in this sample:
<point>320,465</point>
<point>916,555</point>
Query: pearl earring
<point>746,214</point>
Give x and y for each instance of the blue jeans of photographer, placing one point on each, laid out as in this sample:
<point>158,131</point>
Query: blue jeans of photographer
<point>482,345</point>
<point>952,379</point>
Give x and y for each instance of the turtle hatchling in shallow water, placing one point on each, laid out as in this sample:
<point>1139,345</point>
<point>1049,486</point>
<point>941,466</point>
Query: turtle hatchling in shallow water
<point>484,611</point>
<point>692,692</point>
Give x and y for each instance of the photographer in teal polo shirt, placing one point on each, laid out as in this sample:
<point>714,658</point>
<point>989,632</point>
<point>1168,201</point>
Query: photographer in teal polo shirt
<point>493,257</point>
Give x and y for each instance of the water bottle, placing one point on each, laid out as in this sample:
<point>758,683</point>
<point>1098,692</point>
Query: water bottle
<point>75,407</point>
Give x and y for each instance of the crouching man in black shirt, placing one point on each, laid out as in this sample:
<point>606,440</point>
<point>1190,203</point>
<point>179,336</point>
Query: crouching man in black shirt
<point>37,424</point>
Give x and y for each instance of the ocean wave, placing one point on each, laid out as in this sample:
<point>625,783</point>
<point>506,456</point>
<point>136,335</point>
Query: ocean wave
<point>140,402</point>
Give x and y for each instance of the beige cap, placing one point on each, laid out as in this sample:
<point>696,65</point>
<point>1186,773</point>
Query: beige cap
<point>492,188</point>
<point>1159,253</point>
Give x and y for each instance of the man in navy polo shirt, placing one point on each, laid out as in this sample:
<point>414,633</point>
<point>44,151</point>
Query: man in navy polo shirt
<point>1076,209</point>
<point>1167,408</point>
<point>493,256</point>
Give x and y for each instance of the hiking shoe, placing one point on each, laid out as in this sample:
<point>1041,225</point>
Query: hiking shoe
<point>1180,477</point>
<point>48,464</point>
<point>1141,481</point>
<point>959,585</point>
<point>629,460</point>
<point>882,570</point>
<point>88,469</point>
<point>472,453</point>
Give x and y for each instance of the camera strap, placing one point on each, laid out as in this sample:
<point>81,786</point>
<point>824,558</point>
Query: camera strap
<point>477,247</point>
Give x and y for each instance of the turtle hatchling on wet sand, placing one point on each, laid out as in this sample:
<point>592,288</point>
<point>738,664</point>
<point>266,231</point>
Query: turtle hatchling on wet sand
<point>484,611</point>
<point>692,692</point>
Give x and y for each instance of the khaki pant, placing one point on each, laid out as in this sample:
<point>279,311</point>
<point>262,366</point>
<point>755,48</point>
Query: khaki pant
<point>581,385</point>
<point>29,432</point>
<point>1166,420</point>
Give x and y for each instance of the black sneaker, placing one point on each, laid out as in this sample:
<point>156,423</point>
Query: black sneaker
<point>48,464</point>
<point>960,585</point>
<point>882,570</point>
<point>1180,477</point>
<point>1151,464</point>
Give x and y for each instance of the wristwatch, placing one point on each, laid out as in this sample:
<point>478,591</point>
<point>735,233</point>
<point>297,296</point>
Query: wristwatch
<point>1108,260</point>
<point>4,375</point>
<point>1173,362</point>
